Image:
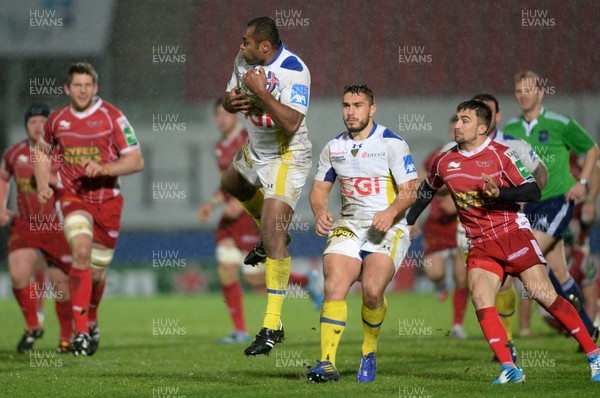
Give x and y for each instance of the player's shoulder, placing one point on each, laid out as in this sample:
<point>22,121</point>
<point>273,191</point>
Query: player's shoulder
<point>62,112</point>
<point>110,109</point>
<point>449,155</point>
<point>288,60</point>
<point>16,148</point>
<point>387,134</point>
<point>556,117</point>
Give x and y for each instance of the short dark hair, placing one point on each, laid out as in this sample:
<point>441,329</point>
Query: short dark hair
<point>82,68</point>
<point>360,89</point>
<point>484,97</point>
<point>265,29</point>
<point>482,111</point>
<point>528,75</point>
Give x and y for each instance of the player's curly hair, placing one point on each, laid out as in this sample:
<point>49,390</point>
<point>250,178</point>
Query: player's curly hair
<point>360,89</point>
<point>82,68</point>
<point>482,111</point>
<point>265,29</point>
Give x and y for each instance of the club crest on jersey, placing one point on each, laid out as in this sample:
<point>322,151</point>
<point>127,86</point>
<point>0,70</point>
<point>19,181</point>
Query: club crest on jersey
<point>544,136</point>
<point>355,149</point>
<point>63,124</point>
<point>452,166</point>
<point>487,163</point>
<point>22,159</point>
<point>94,123</point>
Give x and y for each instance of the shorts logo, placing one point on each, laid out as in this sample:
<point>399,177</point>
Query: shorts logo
<point>544,136</point>
<point>518,254</point>
<point>342,232</point>
<point>452,166</point>
<point>409,165</point>
<point>299,94</point>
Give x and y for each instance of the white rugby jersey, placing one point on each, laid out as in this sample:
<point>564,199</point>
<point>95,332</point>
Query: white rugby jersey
<point>368,170</point>
<point>266,140</point>
<point>524,151</point>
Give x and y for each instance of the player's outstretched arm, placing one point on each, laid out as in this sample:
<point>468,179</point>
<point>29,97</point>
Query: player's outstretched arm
<point>425,195</point>
<point>42,166</point>
<point>287,118</point>
<point>319,197</point>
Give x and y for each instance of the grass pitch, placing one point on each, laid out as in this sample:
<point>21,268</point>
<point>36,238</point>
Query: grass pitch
<point>165,347</point>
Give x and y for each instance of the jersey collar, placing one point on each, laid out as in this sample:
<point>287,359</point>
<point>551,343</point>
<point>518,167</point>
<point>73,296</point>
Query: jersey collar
<point>276,55</point>
<point>476,150</point>
<point>92,109</point>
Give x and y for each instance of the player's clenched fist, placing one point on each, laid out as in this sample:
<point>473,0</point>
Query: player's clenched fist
<point>256,80</point>
<point>490,185</point>
<point>44,194</point>
<point>324,223</point>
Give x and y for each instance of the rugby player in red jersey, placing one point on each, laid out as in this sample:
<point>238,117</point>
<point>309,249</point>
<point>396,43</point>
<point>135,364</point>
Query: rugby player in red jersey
<point>486,180</point>
<point>34,229</point>
<point>97,145</point>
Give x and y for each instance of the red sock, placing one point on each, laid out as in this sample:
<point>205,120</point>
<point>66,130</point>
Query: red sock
<point>233,298</point>
<point>26,299</point>
<point>298,279</point>
<point>97,292</point>
<point>459,301</point>
<point>40,281</point>
<point>564,313</point>
<point>65,319</point>
<point>495,334</point>
<point>80,285</point>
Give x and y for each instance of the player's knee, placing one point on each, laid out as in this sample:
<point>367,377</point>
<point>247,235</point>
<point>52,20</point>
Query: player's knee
<point>81,253</point>
<point>77,224</point>
<point>101,258</point>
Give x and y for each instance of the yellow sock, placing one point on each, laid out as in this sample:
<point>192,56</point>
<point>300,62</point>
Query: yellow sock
<point>372,320</point>
<point>277,276</point>
<point>333,322</point>
<point>254,205</point>
<point>506,303</point>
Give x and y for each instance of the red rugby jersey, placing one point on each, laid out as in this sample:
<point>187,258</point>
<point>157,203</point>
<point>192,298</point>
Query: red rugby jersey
<point>482,216</point>
<point>103,134</point>
<point>18,162</point>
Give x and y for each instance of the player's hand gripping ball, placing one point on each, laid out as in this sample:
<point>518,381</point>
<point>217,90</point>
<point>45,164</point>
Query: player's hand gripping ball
<point>272,86</point>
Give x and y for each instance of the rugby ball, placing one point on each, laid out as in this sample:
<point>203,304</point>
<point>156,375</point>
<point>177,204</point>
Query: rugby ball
<point>272,86</point>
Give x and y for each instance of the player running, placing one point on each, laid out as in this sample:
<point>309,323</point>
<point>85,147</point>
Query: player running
<point>97,145</point>
<point>36,237</point>
<point>553,136</point>
<point>506,300</point>
<point>486,180</point>
<point>277,157</point>
<point>378,181</point>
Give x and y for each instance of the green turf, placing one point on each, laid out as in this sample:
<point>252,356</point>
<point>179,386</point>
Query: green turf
<point>133,362</point>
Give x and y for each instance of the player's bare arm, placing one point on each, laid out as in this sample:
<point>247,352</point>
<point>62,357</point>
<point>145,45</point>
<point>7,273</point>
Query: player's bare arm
<point>287,118</point>
<point>5,213</point>
<point>405,198</point>
<point>207,208</point>
<point>42,167</point>
<point>129,163</point>
<point>577,191</point>
<point>541,175</point>
<point>234,101</point>
<point>319,197</point>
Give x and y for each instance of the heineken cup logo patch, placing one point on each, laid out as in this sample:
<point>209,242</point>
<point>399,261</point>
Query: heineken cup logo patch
<point>523,170</point>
